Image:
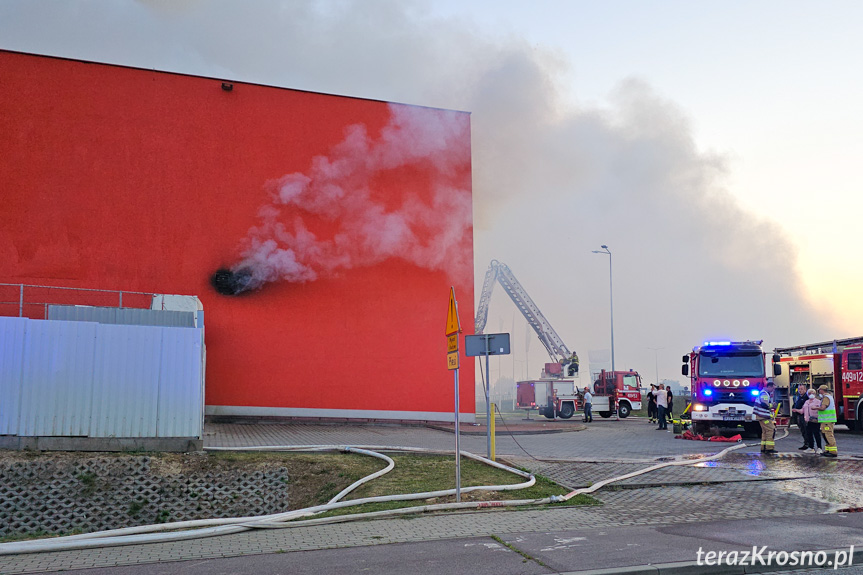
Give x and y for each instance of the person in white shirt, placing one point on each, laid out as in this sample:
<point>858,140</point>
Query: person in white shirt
<point>588,406</point>
<point>661,406</point>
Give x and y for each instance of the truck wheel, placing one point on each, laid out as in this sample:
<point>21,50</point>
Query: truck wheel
<point>549,412</point>
<point>858,425</point>
<point>566,410</point>
<point>623,410</point>
<point>605,414</point>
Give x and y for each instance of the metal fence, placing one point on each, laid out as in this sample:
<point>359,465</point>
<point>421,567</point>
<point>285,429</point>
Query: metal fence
<point>32,301</point>
<point>87,379</point>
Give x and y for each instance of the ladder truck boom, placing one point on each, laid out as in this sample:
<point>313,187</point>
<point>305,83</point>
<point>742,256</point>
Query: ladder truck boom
<point>500,273</point>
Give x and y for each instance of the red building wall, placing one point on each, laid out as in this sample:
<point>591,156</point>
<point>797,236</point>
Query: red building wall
<point>128,179</point>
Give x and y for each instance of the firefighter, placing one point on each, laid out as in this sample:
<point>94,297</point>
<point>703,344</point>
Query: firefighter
<point>827,419</point>
<point>651,404</point>
<point>764,414</point>
<point>572,370</point>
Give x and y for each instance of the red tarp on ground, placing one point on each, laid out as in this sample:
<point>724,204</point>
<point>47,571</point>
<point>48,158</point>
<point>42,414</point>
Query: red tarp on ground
<point>698,437</point>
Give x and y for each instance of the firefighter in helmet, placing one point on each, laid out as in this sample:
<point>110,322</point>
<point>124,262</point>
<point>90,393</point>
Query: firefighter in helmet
<point>827,419</point>
<point>763,410</point>
<point>572,369</point>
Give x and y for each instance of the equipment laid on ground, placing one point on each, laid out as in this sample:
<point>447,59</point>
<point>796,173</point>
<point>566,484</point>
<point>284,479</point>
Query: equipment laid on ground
<point>726,379</point>
<point>556,392</point>
<point>838,364</point>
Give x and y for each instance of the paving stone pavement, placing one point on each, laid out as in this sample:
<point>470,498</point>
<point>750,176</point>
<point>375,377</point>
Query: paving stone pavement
<point>631,440</point>
<point>620,507</point>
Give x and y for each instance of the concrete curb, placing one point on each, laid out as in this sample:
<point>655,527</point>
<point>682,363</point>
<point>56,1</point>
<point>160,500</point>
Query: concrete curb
<point>500,431</point>
<point>693,568</point>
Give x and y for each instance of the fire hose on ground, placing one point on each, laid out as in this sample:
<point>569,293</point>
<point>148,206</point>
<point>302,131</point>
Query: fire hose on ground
<point>195,529</point>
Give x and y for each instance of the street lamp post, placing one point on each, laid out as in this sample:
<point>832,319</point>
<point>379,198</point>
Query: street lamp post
<point>605,250</point>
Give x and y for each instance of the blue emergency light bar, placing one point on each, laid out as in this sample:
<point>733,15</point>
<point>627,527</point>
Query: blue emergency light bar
<point>714,343</point>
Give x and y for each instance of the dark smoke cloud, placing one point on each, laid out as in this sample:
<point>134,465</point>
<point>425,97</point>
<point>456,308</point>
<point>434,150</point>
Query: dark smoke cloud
<point>552,179</point>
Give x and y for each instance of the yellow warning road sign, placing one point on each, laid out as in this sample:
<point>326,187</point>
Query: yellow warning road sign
<point>452,360</point>
<point>452,323</point>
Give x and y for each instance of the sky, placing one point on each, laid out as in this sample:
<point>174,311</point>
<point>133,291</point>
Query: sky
<point>709,144</point>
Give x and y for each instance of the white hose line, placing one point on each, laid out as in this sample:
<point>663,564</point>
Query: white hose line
<point>198,523</point>
<point>496,504</point>
<point>404,511</point>
<point>605,482</point>
<point>390,465</point>
<point>225,526</point>
<point>166,532</point>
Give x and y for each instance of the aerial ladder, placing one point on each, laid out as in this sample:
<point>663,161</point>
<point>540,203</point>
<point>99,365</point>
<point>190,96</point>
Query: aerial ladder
<point>557,350</point>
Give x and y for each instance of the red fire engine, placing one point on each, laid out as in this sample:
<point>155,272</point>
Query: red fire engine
<point>726,379</point>
<point>838,364</point>
<point>612,391</point>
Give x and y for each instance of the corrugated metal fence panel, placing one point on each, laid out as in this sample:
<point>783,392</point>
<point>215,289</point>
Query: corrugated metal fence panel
<point>126,381</point>
<point>11,363</point>
<point>66,378</point>
<point>181,384</point>
<point>56,390</point>
<point>124,316</point>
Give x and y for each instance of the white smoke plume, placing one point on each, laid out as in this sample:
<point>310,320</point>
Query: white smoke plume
<point>552,178</point>
<point>430,233</point>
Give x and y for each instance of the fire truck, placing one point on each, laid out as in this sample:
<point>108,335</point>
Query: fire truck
<point>838,364</point>
<point>550,397</point>
<point>726,380</point>
<point>556,392</point>
<point>616,388</point>
<point>612,391</point>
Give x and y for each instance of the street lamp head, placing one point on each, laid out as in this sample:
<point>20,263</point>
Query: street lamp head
<point>604,247</point>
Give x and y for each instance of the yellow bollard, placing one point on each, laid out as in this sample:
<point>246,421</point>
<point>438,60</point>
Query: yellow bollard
<point>491,423</point>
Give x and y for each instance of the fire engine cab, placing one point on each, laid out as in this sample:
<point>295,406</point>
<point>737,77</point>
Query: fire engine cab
<point>726,379</point>
<point>838,364</point>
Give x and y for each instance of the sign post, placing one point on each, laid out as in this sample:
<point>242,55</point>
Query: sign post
<point>487,344</point>
<point>453,328</point>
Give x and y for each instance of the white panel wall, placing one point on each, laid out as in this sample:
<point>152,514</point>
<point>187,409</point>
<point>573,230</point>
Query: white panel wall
<point>11,351</point>
<point>126,382</point>
<point>60,378</point>
<point>182,363</point>
<point>57,378</point>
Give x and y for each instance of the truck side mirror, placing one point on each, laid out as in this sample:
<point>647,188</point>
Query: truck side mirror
<point>777,369</point>
<point>686,358</point>
<point>776,358</point>
<point>685,369</point>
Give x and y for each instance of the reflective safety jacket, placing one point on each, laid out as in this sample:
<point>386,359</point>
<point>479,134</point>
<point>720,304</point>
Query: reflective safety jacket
<point>764,408</point>
<point>828,415</point>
